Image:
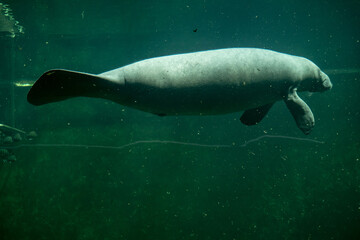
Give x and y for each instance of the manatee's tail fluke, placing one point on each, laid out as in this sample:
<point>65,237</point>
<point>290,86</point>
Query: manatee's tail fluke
<point>58,85</point>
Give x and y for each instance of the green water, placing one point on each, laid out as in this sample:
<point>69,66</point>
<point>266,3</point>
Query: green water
<point>272,188</point>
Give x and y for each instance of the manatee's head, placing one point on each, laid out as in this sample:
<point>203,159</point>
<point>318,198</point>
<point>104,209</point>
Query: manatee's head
<point>323,83</point>
<point>317,81</point>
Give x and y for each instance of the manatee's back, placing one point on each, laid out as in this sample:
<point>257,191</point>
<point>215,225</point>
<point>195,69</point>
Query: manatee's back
<point>211,82</point>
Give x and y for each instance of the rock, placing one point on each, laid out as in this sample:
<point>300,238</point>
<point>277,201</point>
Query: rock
<point>32,134</point>
<point>8,140</point>
<point>4,153</point>
<point>11,158</point>
<point>17,137</point>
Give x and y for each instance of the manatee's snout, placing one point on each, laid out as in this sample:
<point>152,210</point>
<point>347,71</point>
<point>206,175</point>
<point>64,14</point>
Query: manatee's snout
<point>320,83</point>
<point>325,80</point>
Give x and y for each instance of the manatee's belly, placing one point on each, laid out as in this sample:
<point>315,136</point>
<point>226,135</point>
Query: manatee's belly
<point>209,100</point>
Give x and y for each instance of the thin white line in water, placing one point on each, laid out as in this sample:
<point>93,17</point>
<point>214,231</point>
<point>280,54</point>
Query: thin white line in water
<point>162,142</point>
<point>280,136</point>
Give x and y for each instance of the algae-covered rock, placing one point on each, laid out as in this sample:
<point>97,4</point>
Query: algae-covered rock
<point>17,137</point>
<point>8,140</point>
<point>4,153</point>
<point>11,158</point>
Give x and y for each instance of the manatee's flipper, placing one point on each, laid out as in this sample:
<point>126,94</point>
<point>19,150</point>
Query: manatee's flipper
<point>255,115</point>
<point>301,112</point>
<point>58,85</point>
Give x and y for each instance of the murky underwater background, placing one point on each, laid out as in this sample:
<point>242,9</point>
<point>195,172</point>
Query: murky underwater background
<point>289,187</point>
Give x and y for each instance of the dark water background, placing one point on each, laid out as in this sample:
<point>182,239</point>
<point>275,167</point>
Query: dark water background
<point>273,188</point>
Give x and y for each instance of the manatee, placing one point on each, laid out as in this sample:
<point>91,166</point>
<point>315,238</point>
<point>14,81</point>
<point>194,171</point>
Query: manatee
<point>201,83</point>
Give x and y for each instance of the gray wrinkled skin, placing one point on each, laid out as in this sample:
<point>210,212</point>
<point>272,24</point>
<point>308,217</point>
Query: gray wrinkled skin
<point>201,83</point>
<point>213,82</point>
